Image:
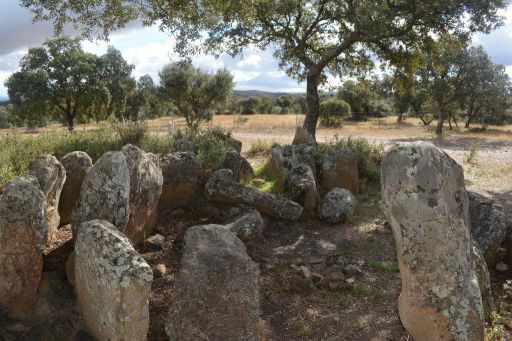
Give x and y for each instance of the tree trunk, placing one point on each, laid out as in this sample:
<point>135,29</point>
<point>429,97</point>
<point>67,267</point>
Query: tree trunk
<point>313,104</point>
<point>450,122</point>
<point>70,119</point>
<point>469,115</point>
<point>400,117</point>
<point>440,122</point>
<point>468,121</point>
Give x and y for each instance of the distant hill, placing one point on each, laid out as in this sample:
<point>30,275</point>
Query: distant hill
<point>4,102</point>
<point>257,93</point>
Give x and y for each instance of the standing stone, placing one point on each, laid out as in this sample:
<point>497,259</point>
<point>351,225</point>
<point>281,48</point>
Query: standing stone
<point>426,202</point>
<point>51,176</point>
<point>222,188</point>
<point>113,283</point>
<point>105,193</point>
<point>336,206</point>
<point>185,146</point>
<point>285,158</point>
<point>339,169</point>
<point>77,165</point>
<point>217,289</point>
<point>180,176</point>
<point>145,189</point>
<point>488,225</point>
<point>236,144</point>
<point>300,186</point>
<point>235,162</point>
<point>23,237</point>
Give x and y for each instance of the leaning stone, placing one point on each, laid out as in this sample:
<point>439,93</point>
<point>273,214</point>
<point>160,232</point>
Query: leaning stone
<point>77,165</point>
<point>184,146</point>
<point>488,225</point>
<point>23,237</point>
<point>113,283</point>
<point>222,188</point>
<point>51,176</point>
<point>300,186</point>
<point>235,162</point>
<point>217,289</point>
<point>285,158</point>
<point>339,169</point>
<point>336,206</point>
<point>180,175</point>
<point>145,188</point>
<point>246,225</point>
<point>425,200</point>
<point>105,193</point>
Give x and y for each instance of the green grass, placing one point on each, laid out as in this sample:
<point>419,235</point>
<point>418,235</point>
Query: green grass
<point>383,266</point>
<point>273,182</point>
<point>303,331</point>
<point>360,289</point>
<point>261,147</point>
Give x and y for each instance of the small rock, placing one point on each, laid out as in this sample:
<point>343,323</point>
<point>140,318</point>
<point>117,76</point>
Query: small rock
<point>351,270</point>
<point>258,181</point>
<point>350,280</point>
<point>502,267</point>
<point>335,276</point>
<point>296,261</point>
<point>316,277</point>
<point>246,225</point>
<point>156,241</point>
<point>305,272</point>
<point>159,271</point>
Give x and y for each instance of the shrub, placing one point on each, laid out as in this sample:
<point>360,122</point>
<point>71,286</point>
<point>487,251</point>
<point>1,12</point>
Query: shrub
<point>211,143</point>
<point>261,147</point>
<point>132,132</point>
<point>368,155</point>
<point>333,111</point>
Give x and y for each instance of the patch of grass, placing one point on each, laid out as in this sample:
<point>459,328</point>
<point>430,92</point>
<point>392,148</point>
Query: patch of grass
<point>273,181</point>
<point>261,147</point>
<point>368,155</point>
<point>303,331</point>
<point>383,266</point>
<point>360,289</point>
<point>344,303</point>
<point>336,252</point>
<point>496,330</point>
<point>381,295</point>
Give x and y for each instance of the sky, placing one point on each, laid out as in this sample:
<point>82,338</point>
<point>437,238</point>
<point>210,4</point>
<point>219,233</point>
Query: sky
<point>149,50</point>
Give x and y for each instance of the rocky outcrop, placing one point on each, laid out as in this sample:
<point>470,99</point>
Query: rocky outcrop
<point>300,186</point>
<point>180,175</point>
<point>23,237</point>
<point>488,225</point>
<point>246,225</point>
<point>339,169</point>
<point>77,165</point>
<point>185,146</point>
<point>285,158</point>
<point>51,176</point>
<point>145,188</point>
<point>222,188</point>
<point>105,193</point>
<point>336,206</point>
<point>113,283</point>
<point>217,289</point>
<point>235,162</point>
<point>424,197</point>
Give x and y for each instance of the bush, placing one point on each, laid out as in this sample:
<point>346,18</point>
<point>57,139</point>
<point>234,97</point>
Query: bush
<point>261,147</point>
<point>333,111</point>
<point>368,155</point>
<point>211,143</point>
<point>132,132</point>
<point>19,151</point>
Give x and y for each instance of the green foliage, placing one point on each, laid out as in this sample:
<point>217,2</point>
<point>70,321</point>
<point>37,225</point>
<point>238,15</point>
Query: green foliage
<point>195,93</point>
<point>333,111</point>
<point>132,132</point>
<point>368,155</point>
<point>211,143</point>
<point>18,151</point>
<point>285,103</point>
<point>250,106</point>
<point>383,266</point>
<point>273,181</point>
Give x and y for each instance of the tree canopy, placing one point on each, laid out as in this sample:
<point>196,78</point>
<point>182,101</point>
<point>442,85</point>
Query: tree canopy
<point>310,38</point>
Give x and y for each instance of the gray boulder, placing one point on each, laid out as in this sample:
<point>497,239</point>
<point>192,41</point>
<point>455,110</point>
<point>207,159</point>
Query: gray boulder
<point>180,175</point>
<point>145,188</point>
<point>77,165</point>
<point>246,225</point>
<point>113,283</point>
<point>222,188</point>
<point>339,169</point>
<point>105,193</point>
<point>300,186</point>
<point>424,198</point>
<point>217,289</point>
<point>51,176</point>
<point>285,158</point>
<point>236,144</point>
<point>488,225</point>
<point>185,146</point>
<point>23,237</point>
<point>336,206</point>
<point>235,162</point>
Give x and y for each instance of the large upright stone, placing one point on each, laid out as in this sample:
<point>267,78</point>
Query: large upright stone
<point>222,188</point>
<point>180,173</point>
<point>339,169</point>
<point>145,188</point>
<point>235,162</point>
<point>426,202</point>
<point>300,186</point>
<point>105,193</point>
<point>77,165</point>
<point>488,225</point>
<point>285,158</point>
<point>51,176</point>
<point>217,289</point>
<point>113,283</point>
<point>23,236</point>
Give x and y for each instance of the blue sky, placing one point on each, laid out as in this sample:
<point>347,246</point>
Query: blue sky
<point>149,49</point>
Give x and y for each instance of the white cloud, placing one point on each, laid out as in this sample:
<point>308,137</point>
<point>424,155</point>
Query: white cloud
<point>253,60</point>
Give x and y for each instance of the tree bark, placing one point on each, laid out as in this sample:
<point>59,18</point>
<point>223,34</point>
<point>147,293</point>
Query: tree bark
<point>70,120</point>
<point>440,122</point>
<point>400,117</point>
<point>450,122</point>
<point>313,104</point>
